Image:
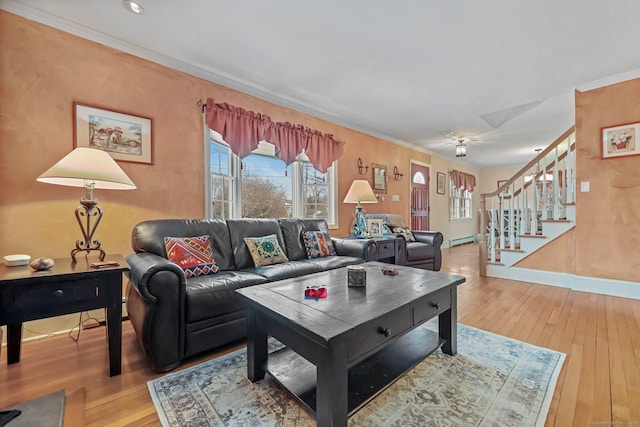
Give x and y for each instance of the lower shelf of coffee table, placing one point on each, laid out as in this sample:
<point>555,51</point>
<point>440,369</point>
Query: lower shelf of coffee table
<point>367,378</point>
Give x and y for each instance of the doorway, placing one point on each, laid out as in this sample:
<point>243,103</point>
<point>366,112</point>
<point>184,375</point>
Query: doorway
<point>419,197</point>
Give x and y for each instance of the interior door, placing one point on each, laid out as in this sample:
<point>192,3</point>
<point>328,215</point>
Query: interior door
<point>419,197</point>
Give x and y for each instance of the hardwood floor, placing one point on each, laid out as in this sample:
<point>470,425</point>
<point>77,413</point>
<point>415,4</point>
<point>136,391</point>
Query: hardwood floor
<point>599,384</point>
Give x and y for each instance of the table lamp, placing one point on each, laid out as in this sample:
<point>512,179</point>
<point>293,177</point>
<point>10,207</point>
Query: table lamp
<point>360,192</point>
<point>89,168</point>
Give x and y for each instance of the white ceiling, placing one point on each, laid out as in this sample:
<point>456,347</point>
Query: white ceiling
<point>500,72</point>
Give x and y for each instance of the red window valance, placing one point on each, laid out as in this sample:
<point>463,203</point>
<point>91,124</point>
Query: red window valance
<point>243,130</point>
<point>463,180</point>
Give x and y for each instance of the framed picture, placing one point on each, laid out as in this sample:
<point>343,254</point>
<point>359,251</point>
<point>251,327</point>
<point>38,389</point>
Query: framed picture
<point>440,183</point>
<point>125,137</point>
<point>620,140</point>
<point>374,227</point>
<point>508,190</point>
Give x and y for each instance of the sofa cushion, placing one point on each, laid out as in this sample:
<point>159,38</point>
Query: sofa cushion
<point>265,250</point>
<point>250,227</point>
<point>192,254</point>
<point>318,244</point>
<point>287,270</point>
<point>148,236</point>
<point>292,229</point>
<point>331,262</point>
<point>214,295</point>
<point>406,233</point>
<point>417,251</point>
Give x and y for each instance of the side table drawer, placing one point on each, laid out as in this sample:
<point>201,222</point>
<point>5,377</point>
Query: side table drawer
<point>376,333</point>
<point>434,304</point>
<point>386,250</point>
<point>53,299</point>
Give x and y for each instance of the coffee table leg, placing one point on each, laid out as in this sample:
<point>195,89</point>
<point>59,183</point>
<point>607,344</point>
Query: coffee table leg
<point>331,389</point>
<point>448,325</point>
<point>256,347</point>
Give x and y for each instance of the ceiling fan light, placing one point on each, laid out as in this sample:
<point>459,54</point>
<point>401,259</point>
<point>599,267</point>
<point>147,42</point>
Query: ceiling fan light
<point>461,149</point>
<point>133,6</point>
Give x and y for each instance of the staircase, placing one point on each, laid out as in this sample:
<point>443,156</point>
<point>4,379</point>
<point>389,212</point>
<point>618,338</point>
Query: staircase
<point>529,210</point>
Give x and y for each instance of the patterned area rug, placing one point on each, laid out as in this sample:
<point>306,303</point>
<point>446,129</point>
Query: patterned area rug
<point>492,381</point>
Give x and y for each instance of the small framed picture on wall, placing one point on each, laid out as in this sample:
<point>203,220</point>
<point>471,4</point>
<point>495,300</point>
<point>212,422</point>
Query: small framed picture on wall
<point>618,141</point>
<point>440,183</point>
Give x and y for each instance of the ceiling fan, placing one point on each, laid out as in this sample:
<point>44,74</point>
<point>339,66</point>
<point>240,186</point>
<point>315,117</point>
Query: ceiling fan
<point>461,143</point>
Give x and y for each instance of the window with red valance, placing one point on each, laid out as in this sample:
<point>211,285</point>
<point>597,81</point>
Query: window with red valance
<point>243,130</point>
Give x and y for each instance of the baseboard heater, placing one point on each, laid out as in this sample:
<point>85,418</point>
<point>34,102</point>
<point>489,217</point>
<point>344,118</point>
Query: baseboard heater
<point>461,241</point>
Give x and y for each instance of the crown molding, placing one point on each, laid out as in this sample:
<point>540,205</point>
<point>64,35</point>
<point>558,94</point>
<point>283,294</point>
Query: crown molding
<point>206,74</point>
<point>618,78</point>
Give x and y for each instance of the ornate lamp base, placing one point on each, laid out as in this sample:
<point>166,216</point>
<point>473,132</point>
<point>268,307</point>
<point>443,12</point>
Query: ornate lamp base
<point>88,208</point>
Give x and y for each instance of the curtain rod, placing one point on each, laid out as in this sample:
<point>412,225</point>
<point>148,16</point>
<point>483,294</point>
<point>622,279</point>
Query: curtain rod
<point>201,104</point>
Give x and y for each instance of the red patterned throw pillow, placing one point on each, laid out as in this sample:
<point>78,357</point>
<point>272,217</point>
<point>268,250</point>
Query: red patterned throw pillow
<point>318,244</point>
<point>192,254</point>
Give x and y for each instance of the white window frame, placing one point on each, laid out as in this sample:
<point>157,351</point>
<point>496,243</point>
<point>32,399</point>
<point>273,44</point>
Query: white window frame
<point>297,189</point>
<point>460,203</point>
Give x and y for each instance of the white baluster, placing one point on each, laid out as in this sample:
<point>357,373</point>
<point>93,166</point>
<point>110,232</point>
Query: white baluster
<point>511,227</point>
<point>492,237</point>
<point>534,204</point>
<point>556,195</point>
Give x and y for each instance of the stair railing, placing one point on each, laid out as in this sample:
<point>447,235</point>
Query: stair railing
<point>518,207</point>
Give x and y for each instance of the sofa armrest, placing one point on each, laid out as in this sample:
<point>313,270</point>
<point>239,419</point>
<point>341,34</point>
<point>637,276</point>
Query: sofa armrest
<point>360,248</point>
<point>155,307</point>
<point>435,239</point>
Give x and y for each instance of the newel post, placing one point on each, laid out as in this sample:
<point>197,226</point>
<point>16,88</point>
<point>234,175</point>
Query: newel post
<point>483,236</point>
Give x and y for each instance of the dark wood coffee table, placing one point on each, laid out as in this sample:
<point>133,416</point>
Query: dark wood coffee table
<point>342,350</point>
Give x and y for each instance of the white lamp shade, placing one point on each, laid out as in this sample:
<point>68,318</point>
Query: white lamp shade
<point>84,165</point>
<point>360,192</point>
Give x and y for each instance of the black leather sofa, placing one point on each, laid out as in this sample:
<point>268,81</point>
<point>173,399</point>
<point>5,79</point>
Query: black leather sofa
<point>175,317</point>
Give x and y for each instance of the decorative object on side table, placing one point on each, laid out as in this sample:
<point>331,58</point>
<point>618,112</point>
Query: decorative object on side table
<point>374,227</point>
<point>16,260</point>
<point>88,168</point>
<point>360,192</point>
<point>42,264</point>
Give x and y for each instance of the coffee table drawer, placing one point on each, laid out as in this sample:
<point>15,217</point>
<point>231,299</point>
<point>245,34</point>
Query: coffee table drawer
<point>434,304</point>
<point>378,332</point>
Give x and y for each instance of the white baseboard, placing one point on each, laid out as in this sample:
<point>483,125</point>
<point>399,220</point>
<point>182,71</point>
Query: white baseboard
<point>617,288</point>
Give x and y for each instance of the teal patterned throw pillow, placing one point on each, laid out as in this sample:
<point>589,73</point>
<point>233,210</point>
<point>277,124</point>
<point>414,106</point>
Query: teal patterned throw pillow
<point>265,250</point>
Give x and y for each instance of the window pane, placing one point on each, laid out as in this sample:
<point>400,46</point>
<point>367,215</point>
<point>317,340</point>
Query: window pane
<point>315,187</point>
<point>221,197</point>
<point>266,187</point>
<point>219,159</point>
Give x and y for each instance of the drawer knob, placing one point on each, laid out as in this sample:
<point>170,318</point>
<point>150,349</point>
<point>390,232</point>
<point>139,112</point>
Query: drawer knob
<point>384,331</point>
<point>436,305</point>
<point>58,292</point>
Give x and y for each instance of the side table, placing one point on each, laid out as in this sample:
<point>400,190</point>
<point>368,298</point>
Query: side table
<point>66,288</point>
<point>387,249</point>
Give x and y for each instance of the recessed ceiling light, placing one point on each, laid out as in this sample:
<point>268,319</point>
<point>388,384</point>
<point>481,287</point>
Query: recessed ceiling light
<point>133,6</point>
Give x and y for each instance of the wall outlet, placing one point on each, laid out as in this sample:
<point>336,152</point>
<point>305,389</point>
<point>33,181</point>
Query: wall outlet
<point>395,197</point>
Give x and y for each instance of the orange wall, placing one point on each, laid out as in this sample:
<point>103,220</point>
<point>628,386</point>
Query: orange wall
<point>604,243</point>
<point>607,217</point>
<point>43,71</point>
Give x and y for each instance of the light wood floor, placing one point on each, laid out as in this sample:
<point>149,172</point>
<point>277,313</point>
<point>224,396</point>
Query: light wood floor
<point>599,384</point>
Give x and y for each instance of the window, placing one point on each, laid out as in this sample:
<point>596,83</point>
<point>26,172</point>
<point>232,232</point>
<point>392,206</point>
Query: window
<point>262,186</point>
<point>459,202</point>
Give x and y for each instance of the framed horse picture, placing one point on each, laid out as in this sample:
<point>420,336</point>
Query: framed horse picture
<point>126,137</point>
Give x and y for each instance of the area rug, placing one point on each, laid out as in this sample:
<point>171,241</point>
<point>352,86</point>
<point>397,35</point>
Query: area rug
<point>45,411</point>
<point>492,381</point>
